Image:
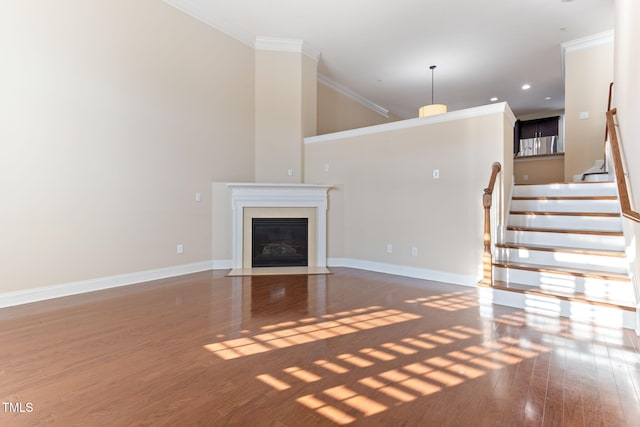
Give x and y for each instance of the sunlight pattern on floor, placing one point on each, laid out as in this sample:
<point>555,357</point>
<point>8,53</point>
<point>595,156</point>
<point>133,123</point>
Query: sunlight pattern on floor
<point>563,327</point>
<point>373,394</point>
<point>451,301</point>
<point>304,332</point>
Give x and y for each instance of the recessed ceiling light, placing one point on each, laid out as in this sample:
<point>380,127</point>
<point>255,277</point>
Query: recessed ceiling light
<point>494,99</point>
<point>548,98</point>
<point>526,86</point>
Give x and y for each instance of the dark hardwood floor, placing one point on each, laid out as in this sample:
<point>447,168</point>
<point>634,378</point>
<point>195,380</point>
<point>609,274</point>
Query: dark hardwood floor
<point>352,348</point>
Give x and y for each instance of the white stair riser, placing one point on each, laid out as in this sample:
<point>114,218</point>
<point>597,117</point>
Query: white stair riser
<point>567,222</point>
<point>568,189</point>
<point>605,206</point>
<point>612,290</point>
<point>584,241</point>
<point>598,189</point>
<point>607,264</point>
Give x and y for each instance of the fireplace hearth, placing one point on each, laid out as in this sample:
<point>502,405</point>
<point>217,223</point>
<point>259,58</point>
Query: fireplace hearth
<point>280,242</point>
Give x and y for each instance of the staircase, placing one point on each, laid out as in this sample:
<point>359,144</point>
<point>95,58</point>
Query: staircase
<point>563,253</point>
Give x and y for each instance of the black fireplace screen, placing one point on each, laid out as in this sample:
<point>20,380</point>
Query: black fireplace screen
<point>280,242</point>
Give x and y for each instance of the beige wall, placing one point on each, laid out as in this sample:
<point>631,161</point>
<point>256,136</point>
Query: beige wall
<point>309,96</point>
<point>390,197</point>
<point>627,101</point>
<point>539,170</point>
<point>627,88</point>
<point>278,128</point>
<point>114,114</point>
<point>338,112</point>
<point>588,73</point>
<point>284,113</point>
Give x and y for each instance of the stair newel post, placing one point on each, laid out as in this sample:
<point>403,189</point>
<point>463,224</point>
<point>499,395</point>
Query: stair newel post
<point>487,200</point>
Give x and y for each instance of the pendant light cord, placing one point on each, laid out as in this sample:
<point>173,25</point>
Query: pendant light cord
<point>432,68</point>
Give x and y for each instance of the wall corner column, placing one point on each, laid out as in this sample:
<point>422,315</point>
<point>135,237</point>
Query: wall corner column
<point>285,108</point>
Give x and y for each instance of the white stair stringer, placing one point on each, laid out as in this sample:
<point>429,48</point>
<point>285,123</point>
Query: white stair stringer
<point>596,173</point>
<point>564,249</point>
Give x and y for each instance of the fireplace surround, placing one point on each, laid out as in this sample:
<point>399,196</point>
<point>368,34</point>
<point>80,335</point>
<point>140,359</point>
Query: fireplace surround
<point>262,200</point>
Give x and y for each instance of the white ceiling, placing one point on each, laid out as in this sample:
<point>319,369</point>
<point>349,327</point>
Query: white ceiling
<point>382,50</point>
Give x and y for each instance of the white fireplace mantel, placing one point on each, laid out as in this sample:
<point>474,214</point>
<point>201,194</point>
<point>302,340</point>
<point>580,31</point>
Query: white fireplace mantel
<point>262,195</point>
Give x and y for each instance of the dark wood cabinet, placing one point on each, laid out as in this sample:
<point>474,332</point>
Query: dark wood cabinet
<point>527,129</point>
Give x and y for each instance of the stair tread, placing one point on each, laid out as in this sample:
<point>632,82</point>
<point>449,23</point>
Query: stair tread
<point>564,198</point>
<point>567,296</point>
<point>568,213</point>
<point>565,230</point>
<point>549,184</point>
<point>578,272</point>
<point>548,248</point>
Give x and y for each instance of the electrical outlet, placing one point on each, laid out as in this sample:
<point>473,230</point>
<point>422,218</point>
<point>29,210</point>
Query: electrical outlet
<point>198,197</point>
<point>326,167</point>
<point>525,177</point>
<point>389,248</point>
<point>180,248</point>
<point>436,174</point>
<point>414,251</point>
<point>290,172</point>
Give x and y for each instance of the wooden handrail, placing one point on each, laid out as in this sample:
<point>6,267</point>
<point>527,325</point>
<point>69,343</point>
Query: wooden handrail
<point>606,128</point>
<point>623,191</point>
<point>487,197</point>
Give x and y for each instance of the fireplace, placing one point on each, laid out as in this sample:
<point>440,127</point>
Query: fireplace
<point>280,242</point>
<point>251,201</point>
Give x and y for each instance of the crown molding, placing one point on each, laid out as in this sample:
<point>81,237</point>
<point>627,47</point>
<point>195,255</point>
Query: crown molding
<point>234,31</point>
<point>352,95</point>
<point>279,44</point>
<point>585,43</point>
<point>271,44</point>
<point>214,21</point>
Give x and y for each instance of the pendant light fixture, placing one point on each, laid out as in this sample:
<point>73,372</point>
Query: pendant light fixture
<point>432,109</point>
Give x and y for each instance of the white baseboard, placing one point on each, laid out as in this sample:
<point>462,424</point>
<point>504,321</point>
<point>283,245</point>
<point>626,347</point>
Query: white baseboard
<point>400,270</point>
<point>403,270</point>
<point>38,294</point>
<point>222,264</point>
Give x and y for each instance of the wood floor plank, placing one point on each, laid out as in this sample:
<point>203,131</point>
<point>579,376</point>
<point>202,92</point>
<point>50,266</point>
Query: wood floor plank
<point>352,348</point>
